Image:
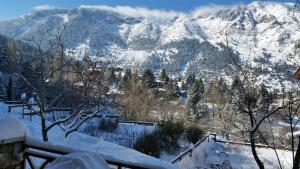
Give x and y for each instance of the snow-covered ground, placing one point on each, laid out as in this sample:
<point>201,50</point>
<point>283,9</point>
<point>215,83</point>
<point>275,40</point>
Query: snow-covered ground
<point>124,134</point>
<point>210,154</point>
<point>207,155</point>
<point>83,142</point>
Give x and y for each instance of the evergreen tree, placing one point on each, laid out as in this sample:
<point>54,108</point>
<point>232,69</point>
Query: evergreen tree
<point>118,78</point>
<point>184,86</point>
<point>195,93</point>
<point>190,80</point>
<point>172,89</point>
<point>265,97</point>
<point>217,91</point>
<point>275,94</point>
<point>125,82</point>
<point>148,79</point>
<point>163,76</point>
<point>221,87</point>
<point>1,85</point>
<point>201,86</point>
<point>237,88</point>
<point>135,79</point>
<point>236,83</point>
<point>127,76</point>
<point>9,90</point>
<point>112,77</point>
<point>264,91</point>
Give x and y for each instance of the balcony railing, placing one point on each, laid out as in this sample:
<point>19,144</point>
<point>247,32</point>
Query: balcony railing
<point>48,153</point>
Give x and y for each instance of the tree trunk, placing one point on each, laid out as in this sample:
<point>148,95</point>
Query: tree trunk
<point>44,127</point>
<point>293,138</point>
<point>253,147</point>
<point>296,164</point>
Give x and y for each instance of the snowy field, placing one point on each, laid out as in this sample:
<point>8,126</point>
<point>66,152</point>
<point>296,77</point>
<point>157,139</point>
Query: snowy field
<point>211,154</point>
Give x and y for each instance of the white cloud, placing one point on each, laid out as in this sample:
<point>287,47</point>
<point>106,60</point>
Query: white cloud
<point>136,11</point>
<point>150,13</point>
<point>43,7</point>
<point>212,8</point>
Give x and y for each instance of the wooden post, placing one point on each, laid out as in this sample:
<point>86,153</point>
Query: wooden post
<point>23,109</point>
<point>53,118</point>
<point>30,112</point>
<point>24,161</point>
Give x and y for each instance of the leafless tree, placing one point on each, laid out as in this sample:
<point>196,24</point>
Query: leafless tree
<point>52,66</point>
<point>246,99</point>
<point>42,68</point>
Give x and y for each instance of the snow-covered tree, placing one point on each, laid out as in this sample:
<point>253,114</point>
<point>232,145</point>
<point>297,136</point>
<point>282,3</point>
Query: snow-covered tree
<point>195,94</point>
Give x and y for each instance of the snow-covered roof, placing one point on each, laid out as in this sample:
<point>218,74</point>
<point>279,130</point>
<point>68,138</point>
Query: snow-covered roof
<point>11,130</point>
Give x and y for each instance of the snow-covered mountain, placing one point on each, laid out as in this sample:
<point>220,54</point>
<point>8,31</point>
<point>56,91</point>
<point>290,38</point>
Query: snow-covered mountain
<point>265,34</point>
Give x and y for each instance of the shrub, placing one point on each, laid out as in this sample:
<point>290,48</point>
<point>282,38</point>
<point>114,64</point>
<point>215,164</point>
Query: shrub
<point>168,134</point>
<point>193,134</point>
<point>165,138</point>
<point>91,129</point>
<point>148,144</point>
<point>108,124</point>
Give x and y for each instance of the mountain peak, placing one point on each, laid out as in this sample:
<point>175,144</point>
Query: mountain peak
<point>262,33</point>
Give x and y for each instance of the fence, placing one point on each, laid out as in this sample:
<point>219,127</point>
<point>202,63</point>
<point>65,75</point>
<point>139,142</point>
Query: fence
<point>48,152</point>
<point>189,151</point>
<point>248,144</point>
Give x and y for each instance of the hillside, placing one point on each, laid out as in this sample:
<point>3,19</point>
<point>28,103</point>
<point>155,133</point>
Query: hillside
<point>262,34</point>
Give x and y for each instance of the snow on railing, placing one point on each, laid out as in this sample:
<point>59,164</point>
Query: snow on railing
<point>139,122</point>
<point>11,130</point>
<point>189,151</point>
<point>213,136</point>
<point>249,144</point>
<point>49,152</point>
<point>13,102</point>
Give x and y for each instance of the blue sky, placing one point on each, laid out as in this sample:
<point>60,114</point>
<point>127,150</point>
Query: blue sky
<point>13,8</point>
